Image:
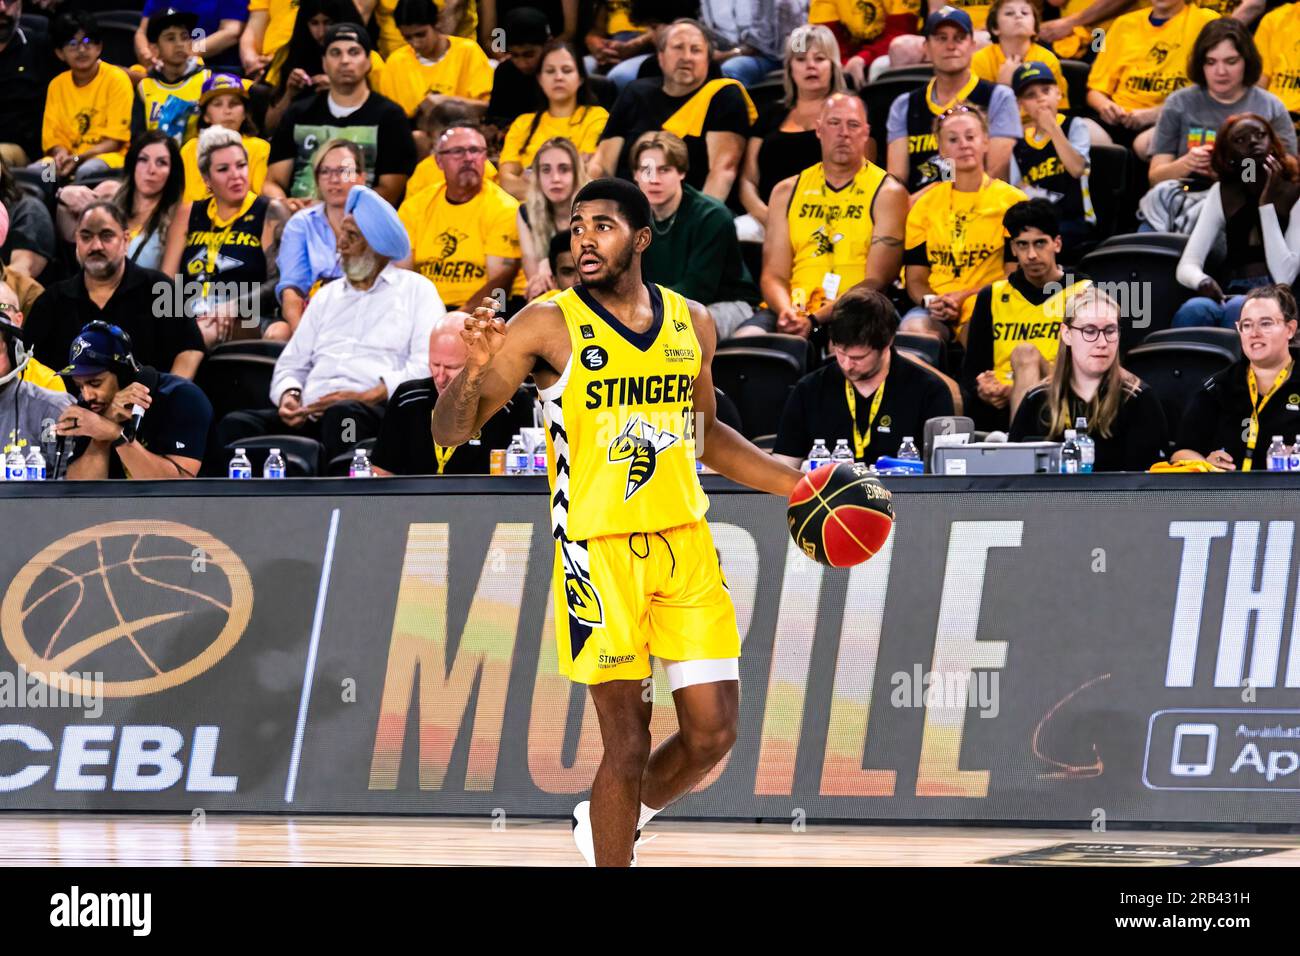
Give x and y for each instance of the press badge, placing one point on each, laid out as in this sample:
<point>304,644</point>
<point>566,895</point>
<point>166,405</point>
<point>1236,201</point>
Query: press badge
<point>1293,408</point>
<point>831,285</point>
<point>882,429</point>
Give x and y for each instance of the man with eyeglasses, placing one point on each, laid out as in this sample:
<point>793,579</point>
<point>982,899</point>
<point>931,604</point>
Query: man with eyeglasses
<point>87,108</point>
<point>26,65</point>
<point>347,110</point>
<point>1015,330</point>
<point>463,231</point>
<point>1231,421</point>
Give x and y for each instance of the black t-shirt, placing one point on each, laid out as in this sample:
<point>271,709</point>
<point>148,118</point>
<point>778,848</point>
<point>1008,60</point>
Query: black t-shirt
<point>26,66</point>
<point>405,445</point>
<point>643,106</point>
<point>514,93</point>
<point>30,228</point>
<point>65,308</point>
<point>782,155</point>
<point>1218,416</point>
<point>818,408</point>
<point>379,126</point>
<point>1138,436</point>
<point>176,423</point>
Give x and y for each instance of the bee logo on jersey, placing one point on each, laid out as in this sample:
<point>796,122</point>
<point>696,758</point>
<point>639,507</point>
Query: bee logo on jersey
<point>640,444</point>
<point>1160,52</point>
<point>825,241</point>
<point>579,593</point>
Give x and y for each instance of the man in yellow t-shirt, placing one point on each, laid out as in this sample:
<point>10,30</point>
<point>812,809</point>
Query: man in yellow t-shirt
<point>431,67</point>
<point>87,123</point>
<point>1144,60</point>
<point>463,232</point>
<point>1276,37</point>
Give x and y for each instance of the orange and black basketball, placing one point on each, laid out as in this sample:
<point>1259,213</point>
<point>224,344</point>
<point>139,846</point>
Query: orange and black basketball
<point>840,515</point>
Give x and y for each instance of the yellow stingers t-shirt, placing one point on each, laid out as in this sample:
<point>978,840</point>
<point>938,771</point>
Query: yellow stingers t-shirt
<point>987,62</point>
<point>1142,64</point>
<point>1278,39</point>
<point>462,71</point>
<point>77,118</point>
<point>281,15</point>
<point>450,243</point>
<point>428,173</point>
<point>196,189</point>
<point>959,235</point>
<point>390,39</point>
<point>582,129</point>
<point>864,19</point>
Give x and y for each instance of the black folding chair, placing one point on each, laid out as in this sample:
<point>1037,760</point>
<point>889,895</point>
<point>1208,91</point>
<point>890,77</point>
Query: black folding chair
<point>759,381</point>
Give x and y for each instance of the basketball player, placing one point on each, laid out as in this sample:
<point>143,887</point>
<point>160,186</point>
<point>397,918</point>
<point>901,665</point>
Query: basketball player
<point>623,372</point>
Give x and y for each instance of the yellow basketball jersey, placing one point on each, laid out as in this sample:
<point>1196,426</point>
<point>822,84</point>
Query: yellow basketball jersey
<point>1016,321</point>
<point>830,230</point>
<point>620,422</point>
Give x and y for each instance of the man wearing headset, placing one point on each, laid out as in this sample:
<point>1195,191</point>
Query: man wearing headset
<point>132,421</point>
<point>27,411</point>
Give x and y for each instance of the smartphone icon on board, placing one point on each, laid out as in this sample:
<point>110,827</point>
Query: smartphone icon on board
<point>1189,736</point>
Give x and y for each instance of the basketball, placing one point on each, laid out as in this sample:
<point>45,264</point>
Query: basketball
<point>840,516</point>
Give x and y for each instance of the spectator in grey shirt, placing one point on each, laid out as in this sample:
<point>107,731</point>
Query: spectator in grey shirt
<point>27,412</point>
<point>750,34</point>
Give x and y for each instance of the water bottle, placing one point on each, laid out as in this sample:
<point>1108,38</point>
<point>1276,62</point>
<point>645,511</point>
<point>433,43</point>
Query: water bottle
<point>15,465</point>
<point>539,458</point>
<point>907,450</point>
<point>35,464</point>
<point>820,455</point>
<point>1087,447</point>
<point>240,466</point>
<point>841,452</point>
<point>517,457</point>
<point>1070,453</point>
<point>1278,458</point>
<point>1293,456</point>
<point>274,467</point>
<point>360,467</point>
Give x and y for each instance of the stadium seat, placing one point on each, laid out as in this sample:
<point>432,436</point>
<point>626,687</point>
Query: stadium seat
<point>34,23</point>
<point>794,345</point>
<point>131,18</point>
<point>767,91</point>
<point>340,464</point>
<point>249,347</point>
<point>925,347</point>
<point>1163,240</point>
<point>727,412</point>
<point>119,43</point>
<point>1146,272</point>
<point>922,70</point>
<point>1076,82</point>
<point>301,455</point>
<point>759,381</point>
<point>1226,338</point>
<point>1108,185</point>
<point>1176,370</point>
<point>878,97</point>
<point>236,382</point>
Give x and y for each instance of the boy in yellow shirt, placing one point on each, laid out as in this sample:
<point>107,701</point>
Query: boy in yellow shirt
<point>1014,25</point>
<point>87,123</point>
<point>431,67</point>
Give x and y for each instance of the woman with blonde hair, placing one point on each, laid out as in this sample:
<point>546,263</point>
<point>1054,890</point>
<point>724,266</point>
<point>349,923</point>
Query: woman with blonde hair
<point>557,175</point>
<point>1089,390</point>
<point>783,143</point>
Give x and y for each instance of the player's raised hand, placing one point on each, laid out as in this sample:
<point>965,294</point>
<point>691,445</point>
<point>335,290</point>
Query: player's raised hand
<point>484,334</point>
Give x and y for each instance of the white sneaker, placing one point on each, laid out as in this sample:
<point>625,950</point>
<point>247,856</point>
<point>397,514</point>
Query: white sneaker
<point>582,836</point>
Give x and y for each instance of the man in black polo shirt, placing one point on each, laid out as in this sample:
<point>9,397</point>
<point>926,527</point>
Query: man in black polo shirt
<point>872,395</point>
<point>111,289</point>
<point>1231,421</point>
<point>713,117</point>
<point>405,445</point>
<point>350,110</point>
<point>106,442</point>
<point>26,65</point>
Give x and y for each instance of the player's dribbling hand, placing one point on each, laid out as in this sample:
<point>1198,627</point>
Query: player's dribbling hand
<point>484,335</point>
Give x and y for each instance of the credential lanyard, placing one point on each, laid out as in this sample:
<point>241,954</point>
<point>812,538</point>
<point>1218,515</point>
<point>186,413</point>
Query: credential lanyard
<point>862,440</point>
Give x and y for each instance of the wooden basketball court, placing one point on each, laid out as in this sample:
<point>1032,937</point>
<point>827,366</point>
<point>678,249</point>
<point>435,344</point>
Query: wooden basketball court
<point>230,840</point>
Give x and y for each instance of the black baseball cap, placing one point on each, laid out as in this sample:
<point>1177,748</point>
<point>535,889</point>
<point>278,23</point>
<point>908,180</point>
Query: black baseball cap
<point>348,31</point>
<point>1031,73</point>
<point>171,17</point>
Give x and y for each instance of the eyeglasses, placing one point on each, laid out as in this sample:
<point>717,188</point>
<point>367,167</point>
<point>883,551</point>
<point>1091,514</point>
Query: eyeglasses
<point>1265,326</point>
<point>83,42</point>
<point>1090,332</point>
<point>336,172</point>
<point>460,152</point>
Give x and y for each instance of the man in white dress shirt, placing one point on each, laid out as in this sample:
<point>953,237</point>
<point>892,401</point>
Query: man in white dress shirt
<point>360,338</point>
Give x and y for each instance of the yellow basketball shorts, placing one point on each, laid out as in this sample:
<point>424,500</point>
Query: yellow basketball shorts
<point>621,598</point>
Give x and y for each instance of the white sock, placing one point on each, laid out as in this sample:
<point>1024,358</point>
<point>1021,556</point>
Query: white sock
<point>647,814</point>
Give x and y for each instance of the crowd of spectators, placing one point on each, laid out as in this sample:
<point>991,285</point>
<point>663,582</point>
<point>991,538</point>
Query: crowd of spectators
<point>337,182</point>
